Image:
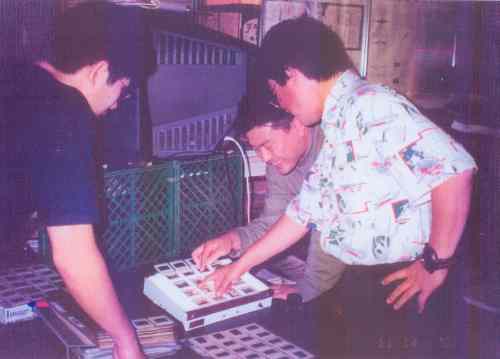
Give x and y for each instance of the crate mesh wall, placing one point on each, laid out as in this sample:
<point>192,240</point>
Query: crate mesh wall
<point>164,211</point>
<point>206,213</point>
<point>139,225</point>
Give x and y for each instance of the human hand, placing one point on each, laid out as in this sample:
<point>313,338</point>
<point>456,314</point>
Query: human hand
<point>223,278</point>
<point>281,291</point>
<point>215,248</point>
<point>416,280</point>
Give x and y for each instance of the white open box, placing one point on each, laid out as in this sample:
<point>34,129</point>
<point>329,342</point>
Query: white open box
<point>175,288</point>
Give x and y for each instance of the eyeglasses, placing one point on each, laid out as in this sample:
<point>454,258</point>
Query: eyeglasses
<point>275,105</point>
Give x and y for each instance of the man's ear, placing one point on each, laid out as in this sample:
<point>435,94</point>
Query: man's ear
<point>99,73</point>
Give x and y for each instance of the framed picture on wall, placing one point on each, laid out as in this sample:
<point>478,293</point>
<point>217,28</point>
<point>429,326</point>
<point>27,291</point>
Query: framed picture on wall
<point>348,18</point>
<point>275,11</point>
<point>230,23</point>
<point>238,21</point>
<point>250,30</point>
<point>209,20</point>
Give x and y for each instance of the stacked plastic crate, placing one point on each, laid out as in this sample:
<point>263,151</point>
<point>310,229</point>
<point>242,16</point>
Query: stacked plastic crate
<point>164,211</point>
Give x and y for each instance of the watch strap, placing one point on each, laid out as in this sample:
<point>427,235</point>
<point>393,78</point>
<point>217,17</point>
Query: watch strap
<point>432,262</point>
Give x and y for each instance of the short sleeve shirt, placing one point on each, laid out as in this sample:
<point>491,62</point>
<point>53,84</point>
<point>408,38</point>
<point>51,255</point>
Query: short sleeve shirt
<point>58,135</point>
<point>369,192</point>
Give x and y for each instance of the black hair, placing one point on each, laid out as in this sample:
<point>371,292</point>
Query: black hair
<point>269,114</point>
<point>303,43</point>
<point>260,110</point>
<point>99,30</point>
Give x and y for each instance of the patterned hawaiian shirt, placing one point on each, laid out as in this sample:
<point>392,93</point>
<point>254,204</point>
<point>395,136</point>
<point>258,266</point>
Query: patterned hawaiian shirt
<point>369,192</point>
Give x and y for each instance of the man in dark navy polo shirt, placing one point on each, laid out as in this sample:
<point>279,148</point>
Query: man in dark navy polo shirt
<point>56,106</point>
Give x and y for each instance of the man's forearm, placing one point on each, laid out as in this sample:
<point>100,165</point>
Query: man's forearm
<point>82,267</point>
<point>450,207</point>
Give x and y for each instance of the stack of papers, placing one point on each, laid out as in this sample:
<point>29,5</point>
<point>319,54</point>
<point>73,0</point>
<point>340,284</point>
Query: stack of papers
<point>156,334</point>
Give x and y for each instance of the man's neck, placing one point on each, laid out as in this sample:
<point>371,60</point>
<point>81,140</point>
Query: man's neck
<point>64,78</point>
<point>77,80</point>
<point>326,86</point>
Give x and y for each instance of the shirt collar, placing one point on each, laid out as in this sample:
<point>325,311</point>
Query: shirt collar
<point>347,81</point>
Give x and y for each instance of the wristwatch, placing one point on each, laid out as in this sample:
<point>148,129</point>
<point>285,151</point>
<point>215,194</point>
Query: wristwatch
<point>432,262</point>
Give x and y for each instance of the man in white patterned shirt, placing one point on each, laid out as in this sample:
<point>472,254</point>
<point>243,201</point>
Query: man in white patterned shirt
<point>389,191</point>
<point>289,149</point>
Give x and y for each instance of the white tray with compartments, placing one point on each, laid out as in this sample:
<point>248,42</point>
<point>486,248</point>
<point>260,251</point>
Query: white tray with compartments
<point>249,341</point>
<point>175,289</point>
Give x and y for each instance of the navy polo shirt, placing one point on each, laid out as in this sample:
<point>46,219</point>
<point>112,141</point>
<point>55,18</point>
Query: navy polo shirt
<point>57,137</point>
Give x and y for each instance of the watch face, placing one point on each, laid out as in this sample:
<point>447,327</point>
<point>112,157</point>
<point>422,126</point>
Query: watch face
<point>429,266</point>
<point>432,262</point>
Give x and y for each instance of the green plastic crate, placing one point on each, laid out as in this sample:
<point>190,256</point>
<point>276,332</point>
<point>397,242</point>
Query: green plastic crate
<point>164,211</point>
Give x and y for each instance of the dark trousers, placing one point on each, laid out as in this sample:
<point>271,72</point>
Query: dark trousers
<point>354,321</point>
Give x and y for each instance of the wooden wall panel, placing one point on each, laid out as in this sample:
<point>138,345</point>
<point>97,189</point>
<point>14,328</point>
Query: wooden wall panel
<point>409,40</point>
<point>392,43</point>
